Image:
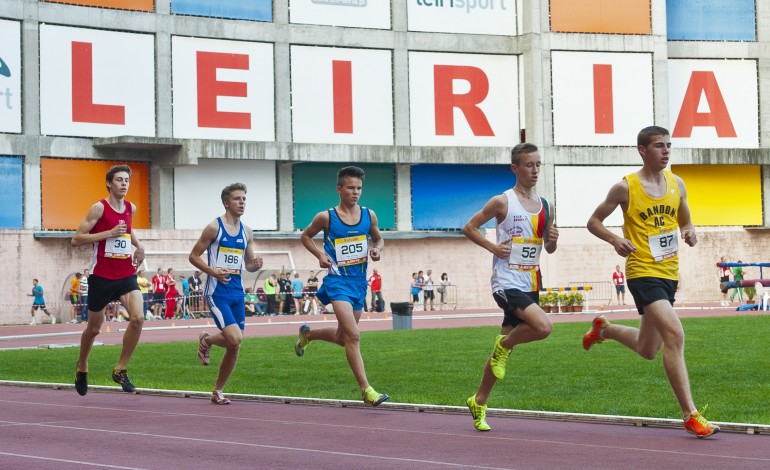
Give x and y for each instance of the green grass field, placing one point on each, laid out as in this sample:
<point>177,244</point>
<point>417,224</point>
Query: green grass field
<point>727,359</point>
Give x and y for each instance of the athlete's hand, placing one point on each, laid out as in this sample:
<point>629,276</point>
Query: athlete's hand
<point>222,275</point>
<point>325,262</point>
<point>119,230</point>
<point>623,247</point>
<point>138,256</point>
<point>689,237</point>
<point>374,253</point>
<point>553,234</point>
<point>503,250</point>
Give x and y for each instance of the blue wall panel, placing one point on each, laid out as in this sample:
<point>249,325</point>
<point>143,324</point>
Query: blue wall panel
<point>259,10</point>
<point>444,197</point>
<point>711,20</point>
<point>11,187</point>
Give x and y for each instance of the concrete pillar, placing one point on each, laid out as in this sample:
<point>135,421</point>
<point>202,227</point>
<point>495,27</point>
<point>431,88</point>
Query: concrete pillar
<point>285,197</point>
<point>403,198</point>
<point>162,200</point>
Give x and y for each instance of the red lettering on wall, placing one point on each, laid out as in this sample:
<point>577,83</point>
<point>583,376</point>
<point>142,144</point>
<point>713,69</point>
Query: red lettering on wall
<point>209,89</point>
<point>83,107</point>
<point>446,100</point>
<point>704,83</point>
<point>342,79</point>
<point>604,119</point>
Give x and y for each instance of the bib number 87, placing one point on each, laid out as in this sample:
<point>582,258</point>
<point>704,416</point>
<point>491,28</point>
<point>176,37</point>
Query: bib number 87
<point>666,241</point>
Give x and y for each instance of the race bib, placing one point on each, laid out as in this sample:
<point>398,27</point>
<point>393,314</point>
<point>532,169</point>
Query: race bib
<point>351,250</point>
<point>664,245</point>
<point>118,247</point>
<point>230,259</point>
<point>525,254</point>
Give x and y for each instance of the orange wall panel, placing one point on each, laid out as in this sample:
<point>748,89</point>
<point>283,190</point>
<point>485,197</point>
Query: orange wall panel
<point>136,5</point>
<point>71,187</point>
<point>601,16</point>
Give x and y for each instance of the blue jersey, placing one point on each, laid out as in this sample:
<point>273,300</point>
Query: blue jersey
<point>37,292</point>
<point>227,252</point>
<point>348,245</point>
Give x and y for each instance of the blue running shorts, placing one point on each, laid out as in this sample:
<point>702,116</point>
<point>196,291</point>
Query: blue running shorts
<point>228,311</point>
<point>351,290</point>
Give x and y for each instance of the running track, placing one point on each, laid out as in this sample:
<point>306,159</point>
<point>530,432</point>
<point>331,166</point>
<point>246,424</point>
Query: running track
<point>44,428</point>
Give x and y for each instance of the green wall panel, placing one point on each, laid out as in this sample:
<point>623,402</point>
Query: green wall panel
<point>315,190</point>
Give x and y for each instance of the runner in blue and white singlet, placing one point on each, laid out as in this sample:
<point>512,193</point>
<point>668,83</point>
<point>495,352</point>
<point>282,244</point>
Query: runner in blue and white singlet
<point>226,252</point>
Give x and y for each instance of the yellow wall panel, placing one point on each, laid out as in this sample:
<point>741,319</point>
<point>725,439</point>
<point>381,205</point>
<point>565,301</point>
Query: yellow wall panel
<point>723,194</point>
<point>136,5</point>
<point>601,16</point>
<point>71,187</point>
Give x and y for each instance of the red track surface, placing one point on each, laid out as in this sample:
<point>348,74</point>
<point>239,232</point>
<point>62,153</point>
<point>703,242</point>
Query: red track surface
<point>57,429</point>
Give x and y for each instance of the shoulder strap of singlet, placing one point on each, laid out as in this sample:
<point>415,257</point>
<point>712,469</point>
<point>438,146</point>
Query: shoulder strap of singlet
<point>547,209</point>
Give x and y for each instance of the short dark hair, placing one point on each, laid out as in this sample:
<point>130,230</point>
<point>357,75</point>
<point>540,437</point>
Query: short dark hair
<point>39,281</point>
<point>349,171</point>
<point>117,169</point>
<point>645,135</point>
<point>230,188</point>
<point>521,149</point>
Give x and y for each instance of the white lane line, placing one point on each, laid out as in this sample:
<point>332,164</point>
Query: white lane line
<point>78,462</point>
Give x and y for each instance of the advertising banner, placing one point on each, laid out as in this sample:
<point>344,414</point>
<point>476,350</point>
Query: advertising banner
<point>713,103</point>
<point>352,13</point>
<point>601,16</point>
<point>463,99</point>
<point>341,95</point>
<point>496,17</point>
<point>10,76</point>
<point>256,10</point>
<point>96,83</point>
<point>711,20</point>
<point>600,98</point>
<point>223,89</point>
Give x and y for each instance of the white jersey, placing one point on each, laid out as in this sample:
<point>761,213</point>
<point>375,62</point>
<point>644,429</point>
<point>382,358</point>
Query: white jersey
<point>525,230</point>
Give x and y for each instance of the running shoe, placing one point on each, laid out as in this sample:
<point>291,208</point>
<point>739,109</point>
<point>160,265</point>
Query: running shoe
<point>33,322</point>
<point>302,341</point>
<point>218,398</point>
<point>53,320</point>
<point>120,377</point>
<point>371,397</point>
<point>479,413</point>
<point>203,349</point>
<point>81,382</point>
<point>499,357</point>
<point>594,334</point>
<point>699,426</point>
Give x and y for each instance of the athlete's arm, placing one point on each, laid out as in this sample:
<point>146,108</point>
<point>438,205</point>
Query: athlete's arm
<point>320,222</point>
<point>685,222</point>
<point>252,262</point>
<point>377,242</point>
<point>82,237</point>
<point>551,232</point>
<point>207,236</point>
<point>139,252</point>
<point>496,208</point>
<point>618,196</point>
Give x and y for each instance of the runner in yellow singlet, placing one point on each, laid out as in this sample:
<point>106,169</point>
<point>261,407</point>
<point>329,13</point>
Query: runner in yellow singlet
<point>654,205</point>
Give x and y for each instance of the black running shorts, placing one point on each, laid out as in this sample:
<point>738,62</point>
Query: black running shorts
<point>646,290</point>
<point>102,291</point>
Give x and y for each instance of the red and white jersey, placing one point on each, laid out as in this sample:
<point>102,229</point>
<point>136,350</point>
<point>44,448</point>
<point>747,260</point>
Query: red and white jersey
<point>619,278</point>
<point>112,258</point>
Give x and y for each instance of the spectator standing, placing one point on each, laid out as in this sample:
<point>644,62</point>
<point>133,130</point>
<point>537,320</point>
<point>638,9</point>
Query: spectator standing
<point>375,284</point>
<point>619,279</point>
<point>144,288</point>
<point>427,290</point>
<point>196,291</point>
<point>312,288</point>
<point>414,290</point>
<point>724,276</point>
<point>284,284</point>
<point>38,303</point>
<point>737,277</point>
<point>84,295</point>
<point>271,285</point>
<point>443,287</point>
<point>296,293</point>
<point>171,295</point>
<point>75,297</point>
<point>158,293</point>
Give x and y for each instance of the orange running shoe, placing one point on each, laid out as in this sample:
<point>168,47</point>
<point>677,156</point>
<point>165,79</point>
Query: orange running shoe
<point>699,426</point>
<point>593,336</point>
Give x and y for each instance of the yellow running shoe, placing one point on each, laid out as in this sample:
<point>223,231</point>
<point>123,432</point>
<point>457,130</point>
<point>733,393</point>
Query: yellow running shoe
<point>594,334</point>
<point>699,426</point>
<point>499,357</point>
<point>302,341</point>
<point>371,397</point>
<point>479,413</point>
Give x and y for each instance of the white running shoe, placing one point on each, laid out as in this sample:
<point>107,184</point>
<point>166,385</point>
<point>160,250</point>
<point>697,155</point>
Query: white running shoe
<point>53,320</point>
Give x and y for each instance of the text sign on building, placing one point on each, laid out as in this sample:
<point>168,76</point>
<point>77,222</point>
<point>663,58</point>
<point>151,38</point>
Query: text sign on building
<point>223,89</point>
<point>463,99</point>
<point>341,95</point>
<point>352,13</point>
<point>600,98</point>
<point>463,16</point>
<point>713,103</point>
<point>10,76</point>
<point>96,83</point>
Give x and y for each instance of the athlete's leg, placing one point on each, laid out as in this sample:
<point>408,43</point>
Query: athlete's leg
<point>535,326</point>
<point>488,379</point>
<point>133,303</point>
<point>92,329</point>
<point>230,339</point>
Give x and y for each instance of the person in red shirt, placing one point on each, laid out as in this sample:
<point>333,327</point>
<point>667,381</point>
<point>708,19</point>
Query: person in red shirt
<point>107,226</point>
<point>619,279</point>
<point>158,293</point>
<point>375,284</point>
<point>171,295</point>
